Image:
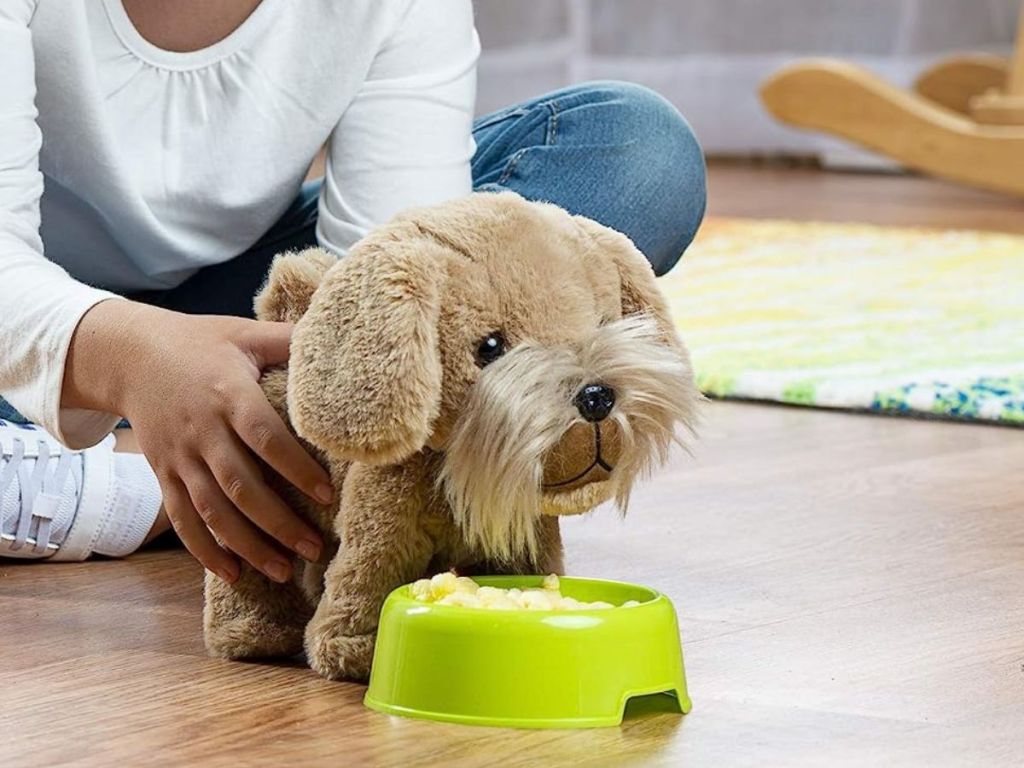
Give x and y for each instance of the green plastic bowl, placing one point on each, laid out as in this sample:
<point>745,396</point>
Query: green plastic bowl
<point>527,669</point>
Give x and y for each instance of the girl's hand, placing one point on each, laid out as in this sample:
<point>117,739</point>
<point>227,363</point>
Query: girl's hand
<point>189,385</point>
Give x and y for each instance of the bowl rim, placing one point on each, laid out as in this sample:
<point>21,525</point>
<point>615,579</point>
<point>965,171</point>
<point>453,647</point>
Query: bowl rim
<point>403,597</point>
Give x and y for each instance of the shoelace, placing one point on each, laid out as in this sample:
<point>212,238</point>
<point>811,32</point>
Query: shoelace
<point>40,490</point>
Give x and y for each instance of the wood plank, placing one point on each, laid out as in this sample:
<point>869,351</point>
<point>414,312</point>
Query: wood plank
<point>829,609</point>
<point>774,190</point>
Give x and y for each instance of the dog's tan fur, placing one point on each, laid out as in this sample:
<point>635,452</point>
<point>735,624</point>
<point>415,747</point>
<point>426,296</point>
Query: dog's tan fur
<point>441,463</point>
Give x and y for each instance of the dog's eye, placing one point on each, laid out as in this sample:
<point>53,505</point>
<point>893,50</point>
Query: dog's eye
<point>490,348</point>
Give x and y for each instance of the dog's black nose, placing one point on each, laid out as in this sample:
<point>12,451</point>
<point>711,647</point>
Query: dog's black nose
<point>594,402</point>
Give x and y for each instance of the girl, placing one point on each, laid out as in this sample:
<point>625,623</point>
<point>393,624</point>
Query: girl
<point>152,157</point>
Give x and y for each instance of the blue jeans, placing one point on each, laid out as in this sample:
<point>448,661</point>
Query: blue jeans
<point>615,152</point>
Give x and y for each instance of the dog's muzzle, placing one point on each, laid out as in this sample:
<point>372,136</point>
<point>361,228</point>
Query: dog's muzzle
<point>588,450</point>
<point>597,468</point>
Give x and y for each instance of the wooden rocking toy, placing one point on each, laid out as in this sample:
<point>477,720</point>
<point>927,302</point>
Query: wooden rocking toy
<point>964,120</point>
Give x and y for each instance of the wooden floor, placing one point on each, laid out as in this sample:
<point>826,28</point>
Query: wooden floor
<point>776,191</point>
<point>850,588</point>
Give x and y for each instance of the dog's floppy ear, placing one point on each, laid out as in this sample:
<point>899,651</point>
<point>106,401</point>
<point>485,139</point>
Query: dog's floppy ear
<point>364,378</point>
<point>637,290</point>
<point>290,284</point>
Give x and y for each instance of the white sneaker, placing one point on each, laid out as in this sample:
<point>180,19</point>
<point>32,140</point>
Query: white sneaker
<point>61,504</point>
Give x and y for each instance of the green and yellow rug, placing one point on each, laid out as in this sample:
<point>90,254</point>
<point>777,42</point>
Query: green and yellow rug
<point>914,321</point>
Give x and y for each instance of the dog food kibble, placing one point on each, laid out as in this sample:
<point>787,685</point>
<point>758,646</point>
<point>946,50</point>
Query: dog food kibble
<point>449,589</point>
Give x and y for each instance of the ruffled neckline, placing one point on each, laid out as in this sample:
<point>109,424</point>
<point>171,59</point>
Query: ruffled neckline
<point>187,60</point>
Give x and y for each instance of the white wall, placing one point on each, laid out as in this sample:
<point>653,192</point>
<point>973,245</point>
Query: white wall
<point>708,56</point>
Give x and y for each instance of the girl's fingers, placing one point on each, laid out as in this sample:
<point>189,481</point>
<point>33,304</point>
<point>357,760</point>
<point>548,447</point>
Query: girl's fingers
<point>267,343</point>
<point>220,516</point>
<point>194,533</point>
<point>242,482</point>
<point>264,431</point>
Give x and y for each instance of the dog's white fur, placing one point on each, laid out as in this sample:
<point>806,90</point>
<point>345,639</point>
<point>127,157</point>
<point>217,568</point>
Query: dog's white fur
<point>522,406</point>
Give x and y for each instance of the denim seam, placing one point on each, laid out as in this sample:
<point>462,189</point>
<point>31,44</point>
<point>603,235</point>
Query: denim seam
<point>549,139</point>
<point>552,123</point>
<point>512,163</point>
<point>498,117</point>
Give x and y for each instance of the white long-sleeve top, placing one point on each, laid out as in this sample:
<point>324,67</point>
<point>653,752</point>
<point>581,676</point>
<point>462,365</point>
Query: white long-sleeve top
<point>127,167</point>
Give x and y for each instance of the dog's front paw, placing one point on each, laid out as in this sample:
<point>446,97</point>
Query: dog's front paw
<point>341,657</point>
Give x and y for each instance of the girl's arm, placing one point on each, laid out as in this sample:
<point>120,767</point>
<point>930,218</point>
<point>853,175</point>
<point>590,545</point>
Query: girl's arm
<point>70,360</point>
<point>406,139</point>
<point>41,304</point>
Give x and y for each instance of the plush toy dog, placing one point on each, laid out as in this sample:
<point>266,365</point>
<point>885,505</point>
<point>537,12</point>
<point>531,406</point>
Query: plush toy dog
<point>467,373</point>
